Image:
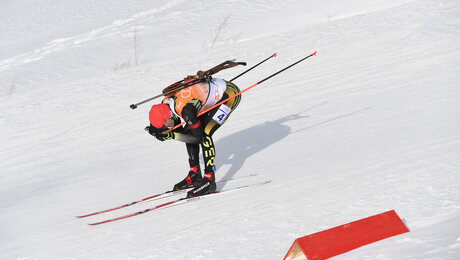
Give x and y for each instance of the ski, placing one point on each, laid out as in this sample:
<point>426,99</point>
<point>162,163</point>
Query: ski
<point>158,196</point>
<point>177,202</point>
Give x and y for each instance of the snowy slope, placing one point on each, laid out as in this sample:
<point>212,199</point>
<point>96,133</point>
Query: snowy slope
<point>368,125</point>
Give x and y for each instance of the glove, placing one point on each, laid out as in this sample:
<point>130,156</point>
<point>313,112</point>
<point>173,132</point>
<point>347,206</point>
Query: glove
<point>158,133</point>
<point>164,137</point>
<point>152,130</point>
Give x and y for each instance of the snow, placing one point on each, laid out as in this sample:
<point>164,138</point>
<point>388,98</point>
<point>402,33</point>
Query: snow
<point>368,125</point>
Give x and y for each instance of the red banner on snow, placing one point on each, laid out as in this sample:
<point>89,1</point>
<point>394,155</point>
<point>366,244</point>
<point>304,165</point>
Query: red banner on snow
<point>341,239</point>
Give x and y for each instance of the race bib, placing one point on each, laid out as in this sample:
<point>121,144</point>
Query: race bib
<point>221,114</point>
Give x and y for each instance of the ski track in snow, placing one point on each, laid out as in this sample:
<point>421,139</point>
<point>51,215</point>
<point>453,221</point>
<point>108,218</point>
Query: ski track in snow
<point>368,125</point>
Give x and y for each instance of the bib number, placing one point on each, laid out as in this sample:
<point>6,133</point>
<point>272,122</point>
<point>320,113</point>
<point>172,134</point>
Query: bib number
<point>221,114</point>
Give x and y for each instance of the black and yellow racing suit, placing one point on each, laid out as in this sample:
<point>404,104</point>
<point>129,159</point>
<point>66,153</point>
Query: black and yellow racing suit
<point>199,130</point>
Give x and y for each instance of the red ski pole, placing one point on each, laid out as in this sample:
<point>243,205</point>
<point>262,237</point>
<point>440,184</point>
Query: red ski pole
<point>242,91</point>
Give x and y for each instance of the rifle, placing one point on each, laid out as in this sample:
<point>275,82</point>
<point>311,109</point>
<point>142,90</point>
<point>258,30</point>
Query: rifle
<point>202,76</point>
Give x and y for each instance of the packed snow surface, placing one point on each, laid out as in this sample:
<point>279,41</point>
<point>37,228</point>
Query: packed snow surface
<point>368,125</point>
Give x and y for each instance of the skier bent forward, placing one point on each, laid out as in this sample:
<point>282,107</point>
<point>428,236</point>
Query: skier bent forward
<point>186,104</point>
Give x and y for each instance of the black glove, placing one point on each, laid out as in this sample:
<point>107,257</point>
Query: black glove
<point>164,137</point>
<point>154,131</point>
<point>157,132</point>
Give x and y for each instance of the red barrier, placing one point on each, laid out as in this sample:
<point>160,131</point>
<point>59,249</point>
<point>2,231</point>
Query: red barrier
<point>341,239</point>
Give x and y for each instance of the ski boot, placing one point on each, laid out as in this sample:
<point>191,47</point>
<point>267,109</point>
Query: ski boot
<point>207,186</point>
<point>193,178</point>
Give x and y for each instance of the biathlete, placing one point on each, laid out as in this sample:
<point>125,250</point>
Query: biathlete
<point>185,105</point>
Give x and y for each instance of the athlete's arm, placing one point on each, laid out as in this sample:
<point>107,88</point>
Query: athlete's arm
<point>194,132</point>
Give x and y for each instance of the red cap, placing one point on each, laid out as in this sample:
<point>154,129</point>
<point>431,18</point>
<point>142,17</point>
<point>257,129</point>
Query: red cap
<point>159,114</point>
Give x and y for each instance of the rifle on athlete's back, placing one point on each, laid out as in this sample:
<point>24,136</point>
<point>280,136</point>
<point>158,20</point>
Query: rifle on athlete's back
<point>201,76</point>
